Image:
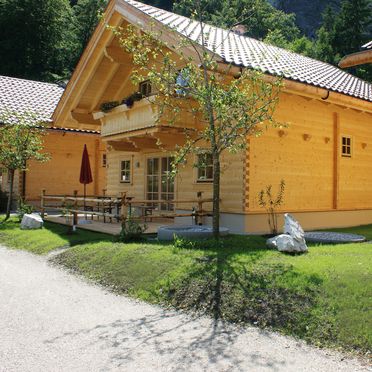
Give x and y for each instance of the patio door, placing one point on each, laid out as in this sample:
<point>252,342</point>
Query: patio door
<point>159,184</point>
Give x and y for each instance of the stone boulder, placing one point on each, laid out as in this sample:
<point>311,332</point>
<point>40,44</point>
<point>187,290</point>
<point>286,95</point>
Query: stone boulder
<point>31,221</point>
<point>283,243</point>
<point>293,239</point>
<point>294,229</point>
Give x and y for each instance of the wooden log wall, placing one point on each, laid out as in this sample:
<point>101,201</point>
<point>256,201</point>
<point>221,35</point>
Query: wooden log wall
<point>307,155</point>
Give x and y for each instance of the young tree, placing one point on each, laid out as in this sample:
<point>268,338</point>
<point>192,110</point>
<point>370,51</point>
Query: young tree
<point>21,139</point>
<point>227,108</point>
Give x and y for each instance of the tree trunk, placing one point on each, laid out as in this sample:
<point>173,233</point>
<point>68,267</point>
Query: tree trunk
<point>10,195</point>
<point>216,194</point>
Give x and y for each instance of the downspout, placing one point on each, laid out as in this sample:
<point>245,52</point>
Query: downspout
<point>326,97</point>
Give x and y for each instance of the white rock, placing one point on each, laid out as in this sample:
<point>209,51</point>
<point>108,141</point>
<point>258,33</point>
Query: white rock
<point>283,243</point>
<point>293,239</point>
<point>31,221</point>
<point>294,229</point>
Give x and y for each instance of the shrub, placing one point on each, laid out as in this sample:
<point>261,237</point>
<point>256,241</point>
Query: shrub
<point>131,231</point>
<point>266,200</point>
<point>23,208</point>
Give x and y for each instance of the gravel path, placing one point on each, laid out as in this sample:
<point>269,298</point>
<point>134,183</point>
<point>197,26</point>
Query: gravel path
<point>52,321</point>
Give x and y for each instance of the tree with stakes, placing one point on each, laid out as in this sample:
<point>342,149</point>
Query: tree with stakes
<point>190,78</point>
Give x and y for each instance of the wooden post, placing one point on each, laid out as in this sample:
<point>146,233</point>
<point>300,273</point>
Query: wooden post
<point>42,203</point>
<point>124,208</point>
<point>74,214</point>
<point>199,212</point>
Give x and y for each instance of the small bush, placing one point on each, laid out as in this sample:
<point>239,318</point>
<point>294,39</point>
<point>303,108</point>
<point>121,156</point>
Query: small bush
<point>131,231</point>
<point>23,208</point>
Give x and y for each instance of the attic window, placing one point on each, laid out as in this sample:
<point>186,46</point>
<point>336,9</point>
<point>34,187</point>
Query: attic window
<point>346,147</point>
<point>145,88</point>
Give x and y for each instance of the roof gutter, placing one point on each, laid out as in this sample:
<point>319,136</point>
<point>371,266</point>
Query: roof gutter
<point>310,91</point>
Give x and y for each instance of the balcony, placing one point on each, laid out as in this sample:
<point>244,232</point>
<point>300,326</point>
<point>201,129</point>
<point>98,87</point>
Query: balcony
<point>141,116</point>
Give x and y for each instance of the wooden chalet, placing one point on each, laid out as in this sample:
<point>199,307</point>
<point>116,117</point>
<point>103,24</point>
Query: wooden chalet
<point>324,155</point>
<point>59,175</point>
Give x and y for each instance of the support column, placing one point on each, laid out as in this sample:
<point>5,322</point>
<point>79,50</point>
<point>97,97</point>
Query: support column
<point>96,166</point>
<point>336,159</point>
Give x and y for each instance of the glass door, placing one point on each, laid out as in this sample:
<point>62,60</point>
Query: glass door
<point>160,186</point>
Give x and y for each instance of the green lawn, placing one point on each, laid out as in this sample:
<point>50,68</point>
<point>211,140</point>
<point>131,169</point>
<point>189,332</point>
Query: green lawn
<point>324,296</point>
<point>45,240</point>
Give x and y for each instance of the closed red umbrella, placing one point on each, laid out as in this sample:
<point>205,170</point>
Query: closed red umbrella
<point>85,171</point>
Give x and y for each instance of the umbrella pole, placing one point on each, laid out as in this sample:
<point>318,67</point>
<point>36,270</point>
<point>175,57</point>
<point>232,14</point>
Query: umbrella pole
<point>85,194</point>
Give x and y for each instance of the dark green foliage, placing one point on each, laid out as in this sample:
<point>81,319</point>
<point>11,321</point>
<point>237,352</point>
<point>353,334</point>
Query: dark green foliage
<point>345,32</point>
<point>86,14</point>
<point>44,39</point>
<point>163,4</point>
<point>108,106</point>
<point>23,208</point>
<point>258,16</point>
<point>36,38</point>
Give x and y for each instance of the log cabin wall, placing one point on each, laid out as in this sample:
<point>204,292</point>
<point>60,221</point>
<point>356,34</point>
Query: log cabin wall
<point>60,175</point>
<point>186,185</point>
<point>323,188</point>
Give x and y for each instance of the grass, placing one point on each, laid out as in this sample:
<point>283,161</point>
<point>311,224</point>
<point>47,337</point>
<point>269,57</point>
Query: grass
<point>43,241</point>
<point>324,297</point>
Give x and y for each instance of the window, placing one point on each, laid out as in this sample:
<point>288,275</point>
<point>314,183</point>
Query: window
<point>145,88</point>
<point>125,171</point>
<point>104,160</point>
<point>205,167</point>
<point>182,82</point>
<point>346,147</point>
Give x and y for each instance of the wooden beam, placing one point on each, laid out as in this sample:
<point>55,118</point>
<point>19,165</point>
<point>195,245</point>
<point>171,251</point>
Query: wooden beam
<point>122,146</point>
<point>356,59</point>
<point>101,91</point>
<point>84,118</point>
<point>170,139</point>
<point>117,55</point>
<point>144,142</point>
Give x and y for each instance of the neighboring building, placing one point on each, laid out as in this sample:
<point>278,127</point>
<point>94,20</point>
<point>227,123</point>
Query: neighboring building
<point>60,175</point>
<point>358,58</point>
<point>324,156</point>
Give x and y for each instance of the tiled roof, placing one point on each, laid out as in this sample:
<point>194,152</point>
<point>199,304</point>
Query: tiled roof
<point>247,52</point>
<point>368,45</point>
<point>27,96</point>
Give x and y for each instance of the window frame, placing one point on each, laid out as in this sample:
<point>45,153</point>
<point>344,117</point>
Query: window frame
<point>148,84</point>
<point>204,168</point>
<point>127,170</point>
<point>347,146</point>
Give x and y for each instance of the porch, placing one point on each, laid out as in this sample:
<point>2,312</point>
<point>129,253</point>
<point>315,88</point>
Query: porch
<point>105,214</point>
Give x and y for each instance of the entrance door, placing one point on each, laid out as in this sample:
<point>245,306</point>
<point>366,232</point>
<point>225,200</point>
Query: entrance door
<point>160,186</point>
